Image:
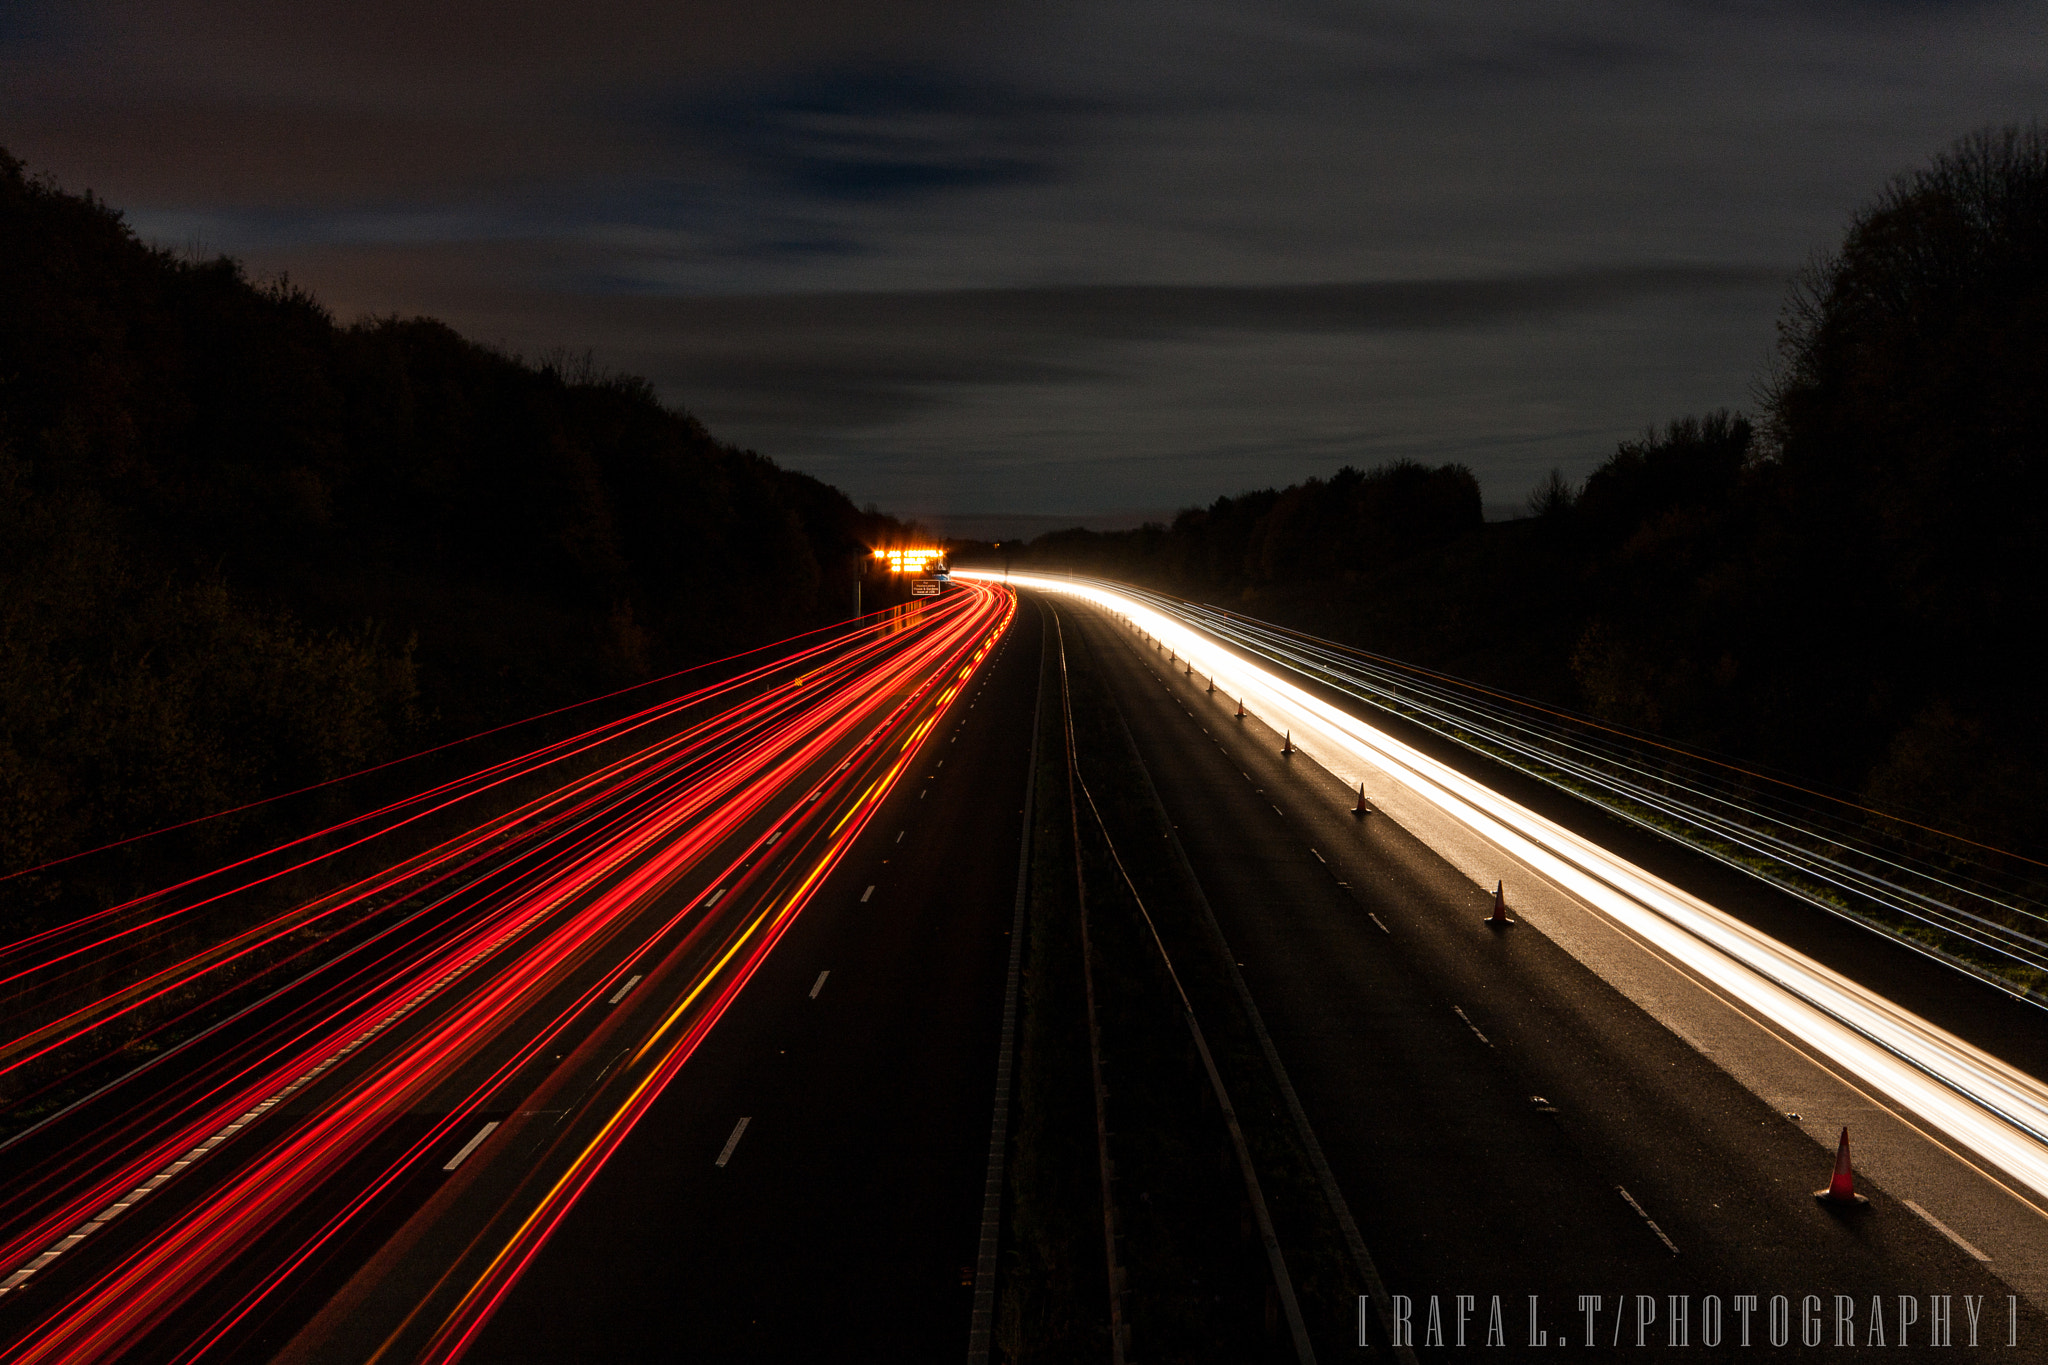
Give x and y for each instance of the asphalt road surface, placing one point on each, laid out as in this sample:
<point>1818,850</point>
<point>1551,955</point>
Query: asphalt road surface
<point>524,1000</point>
<point>1501,1120</point>
<point>844,1222</point>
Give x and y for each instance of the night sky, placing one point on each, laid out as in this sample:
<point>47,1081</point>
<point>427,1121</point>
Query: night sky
<point>1102,258</point>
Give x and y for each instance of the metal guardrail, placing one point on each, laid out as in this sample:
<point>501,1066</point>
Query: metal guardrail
<point>1936,893</point>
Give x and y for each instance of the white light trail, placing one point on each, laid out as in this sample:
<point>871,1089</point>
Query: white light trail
<point>1995,1110</point>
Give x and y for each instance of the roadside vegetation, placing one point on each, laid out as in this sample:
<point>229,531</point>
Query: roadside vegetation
<point>245,547</point>
<point>1845,587</point>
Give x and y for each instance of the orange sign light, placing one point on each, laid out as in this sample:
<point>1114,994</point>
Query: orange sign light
<point>909,561</point>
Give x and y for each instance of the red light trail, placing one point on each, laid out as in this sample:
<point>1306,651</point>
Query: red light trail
<point>170,1211</point>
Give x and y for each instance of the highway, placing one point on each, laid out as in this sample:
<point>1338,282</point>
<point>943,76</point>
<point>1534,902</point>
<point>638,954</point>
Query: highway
<point>678,1038</point>
<point>845,1222</point>
<point>1571,1111</point>
<point>362,1161</point>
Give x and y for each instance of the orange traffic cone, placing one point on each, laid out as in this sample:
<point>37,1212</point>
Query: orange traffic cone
<point>1842,1188</point>
<point>1287,744</point>
<point>1361,809</point>
<point>1212,684</point>
<point>1240,709</point>
<point>1191,670</point>
<point>1499,918</point>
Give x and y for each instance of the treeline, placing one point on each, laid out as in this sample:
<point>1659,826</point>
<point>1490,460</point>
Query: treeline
<point>1851,587</point>
<point>244,548</point>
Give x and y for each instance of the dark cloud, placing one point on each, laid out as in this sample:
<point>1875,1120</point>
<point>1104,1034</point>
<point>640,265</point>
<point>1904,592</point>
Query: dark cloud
<point>882,131</point>
<point>1060,256</point>
<point>849,359</point>
<point>1072,398</point>
<point>852,360</point>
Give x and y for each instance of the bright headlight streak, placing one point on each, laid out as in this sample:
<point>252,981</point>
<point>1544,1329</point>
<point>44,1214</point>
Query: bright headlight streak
<point>1791,835</point>
<point>1994,1110</point>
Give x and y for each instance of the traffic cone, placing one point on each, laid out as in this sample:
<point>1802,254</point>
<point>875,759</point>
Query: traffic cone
<point>1240,709</point>
<point>1212,684</point>
<point>1361,809</point>
<point>1499,918</point>
<point>1287,744</point>
<point>1191,669</point>
<point>1841,1189</point>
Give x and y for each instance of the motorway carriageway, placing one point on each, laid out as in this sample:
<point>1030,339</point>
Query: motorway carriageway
<point>1487,1097</point>
<point>844,1221</point>
<point>513,1001</point>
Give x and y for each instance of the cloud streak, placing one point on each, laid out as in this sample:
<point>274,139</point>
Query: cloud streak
<point>1058,255</point>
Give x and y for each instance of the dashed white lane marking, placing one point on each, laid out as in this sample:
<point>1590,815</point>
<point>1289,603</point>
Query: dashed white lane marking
<point>865,894</point>
<point>772,838</point>
<point>900,833</point>
<point>1474,1027</point>
<point>1277,811</point>
<point>725,1153</point>
<point>921,795</point>
<point>1319,857</point>
<point>819,984</point>
<point>475,1142</point>
<point>1647,1219</point>
<point>942,763</point>
<point>128,1200</point>
<point>714,898</point>
<point>620,993</point>
<point>1376,920</point>
<point>1946,1231</point>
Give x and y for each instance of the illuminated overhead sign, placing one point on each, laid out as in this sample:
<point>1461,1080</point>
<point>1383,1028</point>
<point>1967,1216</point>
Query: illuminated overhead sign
<point>909,561</point>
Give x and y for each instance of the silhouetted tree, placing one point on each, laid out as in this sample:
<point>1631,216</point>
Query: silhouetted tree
<point>243,548</point>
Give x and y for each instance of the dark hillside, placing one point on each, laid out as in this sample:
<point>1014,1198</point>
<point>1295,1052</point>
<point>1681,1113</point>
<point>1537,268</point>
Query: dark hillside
<point>1852,591</point>
<point>243,547</point>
